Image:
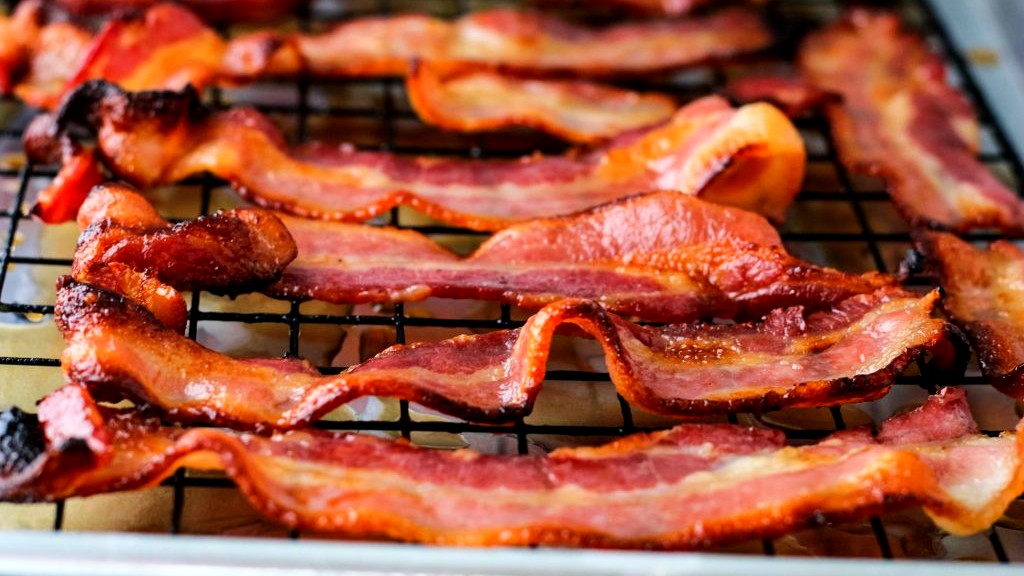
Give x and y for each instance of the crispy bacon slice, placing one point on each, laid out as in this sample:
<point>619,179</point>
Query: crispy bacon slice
<point>230,251</point>
<point>168,47</point>
<point>750,157</point>
<point>688,487</point>
<point>900,120</point>
<point>577,111</point>
<point>792,358</point>
<point>506,39</point>
<point>662,257</point>
<point>208,10</point>
<point>984,297</point>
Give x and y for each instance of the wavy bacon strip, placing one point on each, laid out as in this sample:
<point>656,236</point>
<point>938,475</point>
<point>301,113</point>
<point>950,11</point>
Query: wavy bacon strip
<point>750,157</point>
<point>984,295</point>
<point>662,257</point>
<point>900,120</point>
<point>577,111</point>
<point>506,39</point>
<point>691,486</point>
<point>792,358</point>
<point>168,46</point>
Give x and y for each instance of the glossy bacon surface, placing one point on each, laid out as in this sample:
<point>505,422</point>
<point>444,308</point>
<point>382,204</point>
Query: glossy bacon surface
<point>688,487</point>
<point>900,120</point>
<point>984,295</point>
<point>662,257</point>
<point>751,157</point>
<point>577,111</point>
<point>506,39</point>
<point>850,353</point>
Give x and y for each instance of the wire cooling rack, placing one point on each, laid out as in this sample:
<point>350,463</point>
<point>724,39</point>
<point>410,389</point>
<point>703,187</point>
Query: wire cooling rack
<point>839,219</point>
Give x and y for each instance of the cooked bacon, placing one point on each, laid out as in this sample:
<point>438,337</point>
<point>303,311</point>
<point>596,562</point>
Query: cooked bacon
<point>505,39</point>
<point>793,358</point>
<point>660,7</point>
<point>790,94</point>
<point>750,157</point>
<point>984,295</point>
<point>230,251</point>
<point>167,48</point>
<point>693,486</point>
<point>577,111</point>
<point>662,256</point>
<point>209,10</point>
<point>900,120</point>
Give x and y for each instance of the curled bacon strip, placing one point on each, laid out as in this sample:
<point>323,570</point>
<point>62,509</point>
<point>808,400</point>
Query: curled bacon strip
<point>792,358</point>
<point>574,110</point>
<point>900,120</point>
<point>688,487</point>
<point>983,295</point>
<point>503,39</point>
<point>751,157</point>
<point>662,256</point>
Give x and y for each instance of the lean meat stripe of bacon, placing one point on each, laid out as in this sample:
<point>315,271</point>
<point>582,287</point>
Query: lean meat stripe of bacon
<point>900,120</point>
<point>984,295</point>
<point>664,257</point>
<point>850,353</point>
<point>692,486</point>
<point>751,157</point>
<point>506,39</point>
<point>575,110</point>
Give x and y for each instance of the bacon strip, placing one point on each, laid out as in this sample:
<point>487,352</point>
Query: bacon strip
<point>662,257</point>
<point>691,486</point>
<point>792,358</point>
<point>984,297</point>
<point>750,157</point>
<point>167,48</point>
<point>900,120</point>
<point>505,39</point>
<point>577,111</point>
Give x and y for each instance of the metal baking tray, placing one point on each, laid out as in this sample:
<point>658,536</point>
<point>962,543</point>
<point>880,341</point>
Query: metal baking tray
<point>839,219</point>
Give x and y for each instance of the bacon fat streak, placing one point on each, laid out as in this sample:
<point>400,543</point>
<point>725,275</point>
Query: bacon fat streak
<point>900,120</point>
<point>983,296</point>
<point>662,256</point>
<point>751,157</point>
<point>851,353</point>
<point>691,486</point>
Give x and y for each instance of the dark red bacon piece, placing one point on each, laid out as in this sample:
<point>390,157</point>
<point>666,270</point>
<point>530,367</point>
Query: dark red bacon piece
<point>984,295</point>
<point>900,120</point>
<point>575,110</point>
<point>691,486</point>
<point>751,157</point>
<point>662,256</point>
<point>792,358</point>
<point>506,39</point>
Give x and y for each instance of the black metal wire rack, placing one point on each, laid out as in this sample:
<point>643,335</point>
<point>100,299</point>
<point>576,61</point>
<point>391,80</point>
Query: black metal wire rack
<point>839,219</point>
